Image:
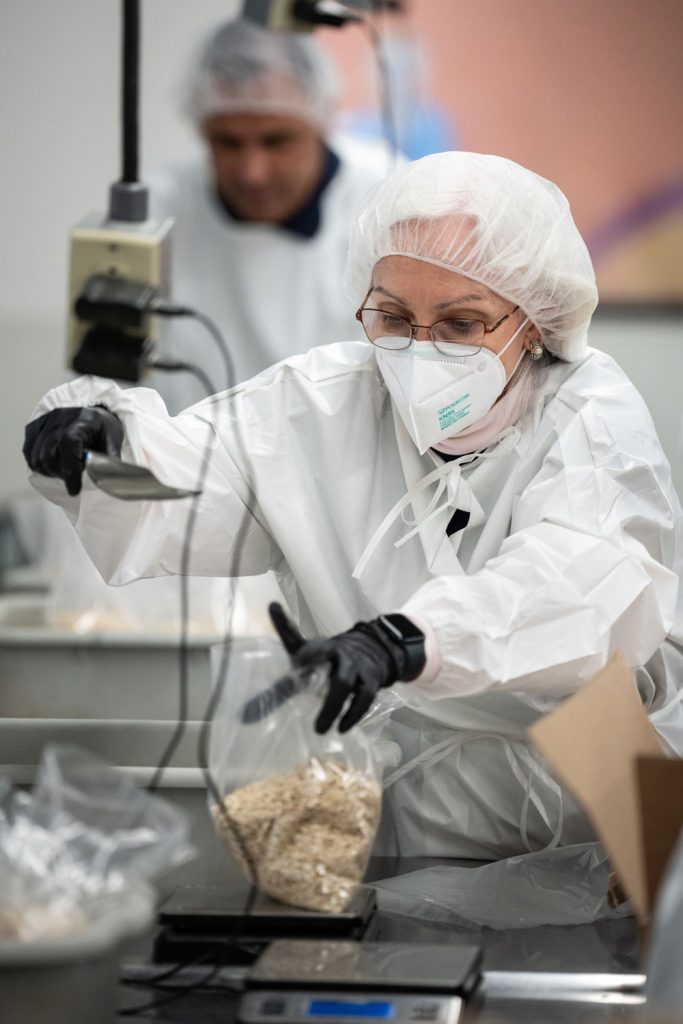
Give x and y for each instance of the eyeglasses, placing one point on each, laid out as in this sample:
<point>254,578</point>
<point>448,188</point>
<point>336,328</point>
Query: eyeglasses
<point>392,331</point>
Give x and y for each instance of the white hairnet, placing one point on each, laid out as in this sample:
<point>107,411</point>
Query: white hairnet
<point>492,221</point>
<point>242,68</point>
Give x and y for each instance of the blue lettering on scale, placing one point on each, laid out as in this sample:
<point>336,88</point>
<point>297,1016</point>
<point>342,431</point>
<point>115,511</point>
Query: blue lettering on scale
<point>335,1008</point>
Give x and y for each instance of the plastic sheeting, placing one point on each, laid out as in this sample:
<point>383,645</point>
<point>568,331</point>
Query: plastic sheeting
<point>85,835</point>
<point>564,886</point>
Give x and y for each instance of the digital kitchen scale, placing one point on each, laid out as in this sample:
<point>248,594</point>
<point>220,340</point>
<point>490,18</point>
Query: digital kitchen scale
<point>317,982</point>
<point>198,920</point>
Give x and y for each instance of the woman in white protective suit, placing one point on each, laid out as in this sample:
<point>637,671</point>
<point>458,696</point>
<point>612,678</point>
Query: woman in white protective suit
<point>473,504</point>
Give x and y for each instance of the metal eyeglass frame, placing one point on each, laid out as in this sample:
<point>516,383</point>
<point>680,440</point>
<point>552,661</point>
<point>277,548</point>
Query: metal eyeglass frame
<point>428,327</point>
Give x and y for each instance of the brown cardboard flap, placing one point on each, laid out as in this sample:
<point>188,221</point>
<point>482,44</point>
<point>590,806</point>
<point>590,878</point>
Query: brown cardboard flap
<point>591,742</point>
<point>660,792</point>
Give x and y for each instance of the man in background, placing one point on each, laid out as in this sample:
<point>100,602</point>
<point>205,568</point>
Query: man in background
<point>262,217</point>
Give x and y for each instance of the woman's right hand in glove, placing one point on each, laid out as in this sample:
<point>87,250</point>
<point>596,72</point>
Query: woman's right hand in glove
<point>55,444</point>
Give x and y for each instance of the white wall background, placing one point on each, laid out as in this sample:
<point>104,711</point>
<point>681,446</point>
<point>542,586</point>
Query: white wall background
<point>650,350</point>
<point>59,114</point>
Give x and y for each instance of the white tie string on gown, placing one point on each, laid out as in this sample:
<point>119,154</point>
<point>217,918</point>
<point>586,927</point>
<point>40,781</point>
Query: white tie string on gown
<point>449,481</point>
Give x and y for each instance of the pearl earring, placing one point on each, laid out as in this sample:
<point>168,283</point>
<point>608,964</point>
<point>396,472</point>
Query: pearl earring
<point>537,350</point>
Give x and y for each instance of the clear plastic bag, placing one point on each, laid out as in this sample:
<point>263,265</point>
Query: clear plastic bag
<point>298,811</point>
<point>85,834</point>
<point>564,886</point>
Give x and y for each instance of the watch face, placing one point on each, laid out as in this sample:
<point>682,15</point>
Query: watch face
<point>411,641</point>
<point>402,627</point>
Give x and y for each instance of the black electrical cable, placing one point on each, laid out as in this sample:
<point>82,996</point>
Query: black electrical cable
<point>183,643</point>
<point>173,993</point>
<point>170,310</point>
<point>217,693</point>
<point>339,15</point>
<point>162,308</point>
<point>388,113</point>
<point>176,366</point>
<point>206,983</point>
<point>171,997</point>
<point>130,90</point>
<point>167,309</point>
<point>233,939</point>
<point>169,972</point>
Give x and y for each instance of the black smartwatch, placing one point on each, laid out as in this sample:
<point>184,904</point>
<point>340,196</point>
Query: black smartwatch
<point>412,640</point>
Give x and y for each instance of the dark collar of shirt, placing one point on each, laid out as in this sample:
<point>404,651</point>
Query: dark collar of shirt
<point>306,221</point>
<point>460,517</point>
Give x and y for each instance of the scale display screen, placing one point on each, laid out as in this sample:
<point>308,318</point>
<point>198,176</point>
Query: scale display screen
<point>341,1008</point>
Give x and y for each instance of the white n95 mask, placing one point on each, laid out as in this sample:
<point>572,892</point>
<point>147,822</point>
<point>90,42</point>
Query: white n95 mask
<point>438,395</point>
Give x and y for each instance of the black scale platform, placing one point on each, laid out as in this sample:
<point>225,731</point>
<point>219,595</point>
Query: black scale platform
<point>198,923</point>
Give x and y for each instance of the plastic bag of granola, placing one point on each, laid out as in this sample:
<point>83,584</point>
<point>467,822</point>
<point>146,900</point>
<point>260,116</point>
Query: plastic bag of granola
<point>297,810</point>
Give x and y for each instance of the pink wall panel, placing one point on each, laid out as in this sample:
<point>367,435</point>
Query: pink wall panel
<point>587,92</point>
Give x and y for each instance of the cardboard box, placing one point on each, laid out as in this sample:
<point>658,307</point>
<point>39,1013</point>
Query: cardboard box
<point>602,746</point>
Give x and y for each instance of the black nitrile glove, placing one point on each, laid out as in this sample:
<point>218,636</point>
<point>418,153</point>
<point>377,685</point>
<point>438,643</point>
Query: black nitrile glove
<point>55,444</point>
<point>360,662</point>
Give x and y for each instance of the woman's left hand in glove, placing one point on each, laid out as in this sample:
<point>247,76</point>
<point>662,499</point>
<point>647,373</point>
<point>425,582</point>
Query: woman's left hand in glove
<point>361,661</point>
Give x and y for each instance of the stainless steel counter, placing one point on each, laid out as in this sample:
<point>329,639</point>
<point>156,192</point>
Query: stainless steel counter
<point>503,996</point>
<point>583,974</point>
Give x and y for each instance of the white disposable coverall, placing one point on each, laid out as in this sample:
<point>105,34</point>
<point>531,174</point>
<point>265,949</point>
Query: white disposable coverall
<point>572,551</point>
<point>271,292</point>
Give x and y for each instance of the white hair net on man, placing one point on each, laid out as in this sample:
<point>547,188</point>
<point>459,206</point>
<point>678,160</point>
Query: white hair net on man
<point>493,221</point>
<point>242,68</point>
